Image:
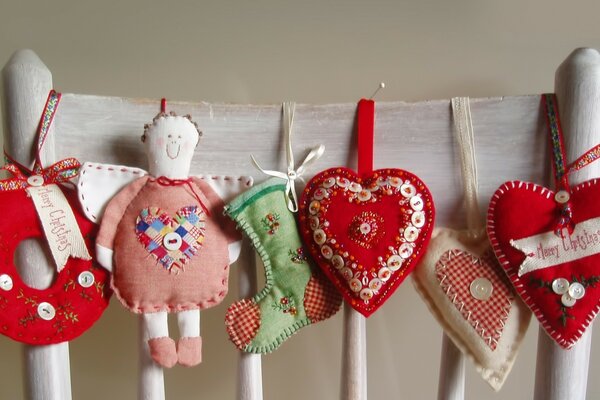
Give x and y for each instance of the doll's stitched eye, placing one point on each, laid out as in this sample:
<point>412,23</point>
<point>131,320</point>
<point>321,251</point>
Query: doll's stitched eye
<point>179,136</point>
<point>170,136</point>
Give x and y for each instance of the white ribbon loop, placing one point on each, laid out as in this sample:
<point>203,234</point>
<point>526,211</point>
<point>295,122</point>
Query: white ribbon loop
<point>292,173</point>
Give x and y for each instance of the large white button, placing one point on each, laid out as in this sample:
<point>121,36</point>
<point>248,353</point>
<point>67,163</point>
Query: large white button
<point>320,194</point>
<point>418,219</point>
<point>394,262</point>
<point>405,250</point>
<point>562,196</point>
<point>86,279</point>
<point>172,241</point>
<point>375,284</point>
<point>35,180</point>
<point>366,294</point>
<point>319,236</point>
<point>567,300</point>
<point>342,182</point>
<point>337,261</point>
<point>408,190</point>
<point>576,290</point>
<point>327,252</point>
<point>384,273</point>
<point>6,282</point>
<point>46,311</point>
<point>481,289</point>
<point>364,195</point>
<point>329,182</point>
<point>355,285</point>
<point>560,286</point>
<point>411,233</point>
<point>416,203</point>
<point>395,181</point>
<point>355,187</point>
<point>346,273</point>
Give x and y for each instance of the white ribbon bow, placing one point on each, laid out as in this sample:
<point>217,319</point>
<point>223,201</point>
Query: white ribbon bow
<point>292,174</point>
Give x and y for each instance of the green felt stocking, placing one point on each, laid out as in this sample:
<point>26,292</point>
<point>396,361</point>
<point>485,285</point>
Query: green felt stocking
<point>296,293</point>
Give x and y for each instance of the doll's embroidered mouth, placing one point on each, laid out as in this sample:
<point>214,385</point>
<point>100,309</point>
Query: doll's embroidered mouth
<point>172,157</point>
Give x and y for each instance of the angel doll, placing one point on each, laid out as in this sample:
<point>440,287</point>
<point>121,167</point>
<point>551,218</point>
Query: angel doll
<point>164,237</point>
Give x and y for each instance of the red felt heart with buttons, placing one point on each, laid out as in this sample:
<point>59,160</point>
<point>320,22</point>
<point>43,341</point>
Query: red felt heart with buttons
<point>557,277</point>
<point>366,233</point>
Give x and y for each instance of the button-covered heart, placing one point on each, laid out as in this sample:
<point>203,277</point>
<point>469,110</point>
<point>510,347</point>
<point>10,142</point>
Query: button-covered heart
<point>367,234</point>
<point>172,241</point>
<point>555,272</point>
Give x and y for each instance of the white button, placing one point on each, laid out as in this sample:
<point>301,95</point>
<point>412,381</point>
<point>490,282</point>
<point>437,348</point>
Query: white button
<point>365,228</point>
<point>342,182</point>
<point>576,290</point>
<point>418,219</point>
<point>411,233</point>
<point>46,311</point>
<point>86,279</point>
<point>329,182</point>
<point>562,196</point>
<point>382,181</point>
<point>481,289</point>
<point>366,294</point>
<point>319,236</point>
<point>395,181</point>
<point>355,187</point>
<point>172,241</point>
<point>395,262</point>
<point>337,261</point>
<point>364,195</point>
<point>375,284</point>
<point>6,282</point>
<point>347,273</point>
<point>35,180</point>
<point>320,194</point>
<point>416,203</point>
<point>408,190</point>
<point>560,286</point>
<point>355,285</point>
<point>326,252</point>
<point>314,223</point>
<point>567,300</point>
<point>314,207</point>
<point>405,250</point>
<point>384,273</point>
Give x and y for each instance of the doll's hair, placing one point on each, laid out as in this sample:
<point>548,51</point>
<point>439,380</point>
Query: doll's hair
<point>160,115</point>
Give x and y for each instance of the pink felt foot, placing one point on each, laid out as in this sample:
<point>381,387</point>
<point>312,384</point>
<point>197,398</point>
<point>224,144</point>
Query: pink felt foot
<point>163,352</point>
<point>189,351</point>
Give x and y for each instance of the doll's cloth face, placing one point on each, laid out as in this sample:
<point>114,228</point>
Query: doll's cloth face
<point>170,143</point>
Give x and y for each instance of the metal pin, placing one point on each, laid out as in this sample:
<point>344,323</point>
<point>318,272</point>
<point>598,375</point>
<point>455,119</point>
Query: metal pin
<point>381,86</point>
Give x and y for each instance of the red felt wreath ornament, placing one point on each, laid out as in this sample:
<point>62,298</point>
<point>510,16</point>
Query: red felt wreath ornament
<point>80,292</point>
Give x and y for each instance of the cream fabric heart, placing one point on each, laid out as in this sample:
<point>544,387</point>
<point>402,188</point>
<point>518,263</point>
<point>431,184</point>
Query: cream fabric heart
<point>464,286</point>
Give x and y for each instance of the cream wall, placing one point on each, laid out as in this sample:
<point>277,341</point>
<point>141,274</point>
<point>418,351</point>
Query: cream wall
<point>307,51</point>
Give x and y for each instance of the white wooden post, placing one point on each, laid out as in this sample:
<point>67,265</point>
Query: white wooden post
<point>151,383</point>
<point>354,356</point>
<point>562,374</point>
<point>249,383</point>
<point>451,383</point>
<point>26,83</point>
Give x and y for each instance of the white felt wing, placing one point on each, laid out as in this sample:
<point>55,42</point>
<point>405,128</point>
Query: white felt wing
<point>229,187</point>
<point>99,183</point>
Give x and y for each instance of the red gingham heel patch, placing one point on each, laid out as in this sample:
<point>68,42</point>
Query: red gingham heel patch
<point>321,298</point>
<point>242,322</point>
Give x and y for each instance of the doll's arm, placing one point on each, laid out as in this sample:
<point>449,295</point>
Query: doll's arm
<point>110,221</point>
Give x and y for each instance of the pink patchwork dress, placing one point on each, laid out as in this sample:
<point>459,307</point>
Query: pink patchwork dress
<point>170,241</point>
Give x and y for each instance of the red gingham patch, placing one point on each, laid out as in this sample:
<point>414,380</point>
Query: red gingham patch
<point>321,298</point>
<point>242,321</point>
<point>456,270</point>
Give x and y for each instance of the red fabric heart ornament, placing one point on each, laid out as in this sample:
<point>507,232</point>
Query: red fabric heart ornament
<point>521,210</point>
<point>548,242</point>
<point>367,234</point>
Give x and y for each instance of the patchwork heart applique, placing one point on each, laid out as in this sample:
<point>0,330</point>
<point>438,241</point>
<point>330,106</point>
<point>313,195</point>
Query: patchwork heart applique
<point>172,241</point>
<point>556,275</point>
<point>367,234</point>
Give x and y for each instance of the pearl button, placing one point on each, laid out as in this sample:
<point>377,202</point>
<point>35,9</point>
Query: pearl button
<point>329,182</point>
<point>365,228</point>
<point>395,181</point>
<point>560,286</point>
<point>172,241</point>
<point>337,261</point>
<point>355,187</point>
<point>6,282</point>
<point>562,196</point>
<point>35,180</point>
<point>416,203</point>
<point>314,223</point>
<point>364,195</point>
<point>326,252</point>
<point>405,250</point>
<point>384,273</point>
<point>86,279</point>
<point>46,311</point>
<point>347,273</point>
<point>320,194</point>
<point>319,236</point>
<point>481,289</point>
<point>408,190</point>
<point>418,219</point>
<point>576,290</point>
<point>342,182</point>
<point>411,233</point>
<point>314,207</point>
<point>375,284</point>
<point>366,294</point>
<point>567,300</point>
<point>394,262</point>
